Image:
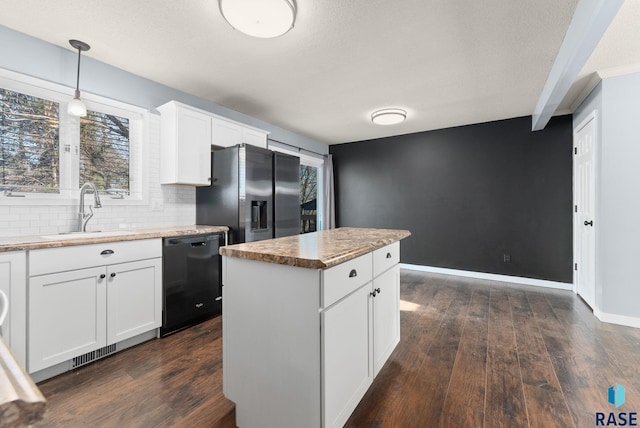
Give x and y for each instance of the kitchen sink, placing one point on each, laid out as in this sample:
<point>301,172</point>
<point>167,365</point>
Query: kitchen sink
<point>86,235</point>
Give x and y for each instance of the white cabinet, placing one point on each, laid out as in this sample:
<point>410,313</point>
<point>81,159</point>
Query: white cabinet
<point>85,297</point>
<point>346,327</point>
<point>386,316</point>
<point>185,145</point>
<point>134,299</point>
<point>67,316</point>
<point>13,281</point>
<point>276,315</point>
<point>228,133</point>
<point>187,134</point>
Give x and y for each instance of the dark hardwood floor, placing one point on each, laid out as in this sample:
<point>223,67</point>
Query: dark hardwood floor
<point>472,354</point>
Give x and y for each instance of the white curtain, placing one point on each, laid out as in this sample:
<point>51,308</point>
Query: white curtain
<point>328,211</point>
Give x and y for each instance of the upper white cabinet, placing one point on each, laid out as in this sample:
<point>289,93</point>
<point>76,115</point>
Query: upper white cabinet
<point>13,281</point>
<point>187,134</point>
<point>185,145</point>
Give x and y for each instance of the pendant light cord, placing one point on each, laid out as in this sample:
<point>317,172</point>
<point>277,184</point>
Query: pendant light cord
<point>78,75</point>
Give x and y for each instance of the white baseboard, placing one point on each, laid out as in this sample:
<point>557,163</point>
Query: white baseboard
<point>617,319</point>
<point>491,276</point>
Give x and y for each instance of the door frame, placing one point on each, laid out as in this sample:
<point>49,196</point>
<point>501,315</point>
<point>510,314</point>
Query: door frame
<point>592,116</point>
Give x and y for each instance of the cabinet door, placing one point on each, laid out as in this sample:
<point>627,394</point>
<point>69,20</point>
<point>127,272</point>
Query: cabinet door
<point>225,134</point>
<point>134,298</point>
<point>66,316</point>
<point>254,137</point>
<point>386,316</point>
<point>193,151</point>
<point>13,282</point>
<point>346,360</point>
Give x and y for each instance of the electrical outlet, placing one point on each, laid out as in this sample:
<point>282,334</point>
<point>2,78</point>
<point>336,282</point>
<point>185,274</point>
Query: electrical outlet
<point>506,258</point>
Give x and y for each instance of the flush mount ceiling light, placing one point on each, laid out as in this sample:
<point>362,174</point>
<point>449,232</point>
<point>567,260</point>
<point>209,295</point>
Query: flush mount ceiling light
<point>259,18</point>
<point>388,116</point>
<point>76,107</point>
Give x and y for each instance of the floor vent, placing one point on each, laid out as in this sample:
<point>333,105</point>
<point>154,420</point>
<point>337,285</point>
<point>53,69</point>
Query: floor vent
<point>93,356</point>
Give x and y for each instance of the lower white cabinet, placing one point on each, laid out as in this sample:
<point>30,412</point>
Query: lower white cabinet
<point>346,354</point>
<point>386,316</point>
<point>274,318</point>
<point>67,316</point>
<point>13,281</point>
<point>77,311</point>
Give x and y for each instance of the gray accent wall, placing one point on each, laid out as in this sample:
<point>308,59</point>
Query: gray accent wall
<point>27,55</point>
<point>616,101</point>
<point>469,195</point>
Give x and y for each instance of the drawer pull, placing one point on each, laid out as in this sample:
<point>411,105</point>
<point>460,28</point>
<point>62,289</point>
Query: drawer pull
<point>353,273</point>
<point>102,276</point>
<point>106,252</point>
<point>388,255</point>
<point>199,305</point>
<point>113,274</point>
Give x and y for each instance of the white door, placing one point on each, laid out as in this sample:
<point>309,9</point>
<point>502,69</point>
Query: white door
<point>134,299</point>
<point>386,316</point>
<point>66,316</point>
<point>584,209</point>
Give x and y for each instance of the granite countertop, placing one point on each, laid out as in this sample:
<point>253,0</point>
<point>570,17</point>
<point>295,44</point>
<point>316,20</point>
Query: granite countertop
<point>317,250</point>
<point>21,402</point>
<point>20,243</point>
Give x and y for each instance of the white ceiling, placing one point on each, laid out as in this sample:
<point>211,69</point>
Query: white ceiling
<point>448,63</point>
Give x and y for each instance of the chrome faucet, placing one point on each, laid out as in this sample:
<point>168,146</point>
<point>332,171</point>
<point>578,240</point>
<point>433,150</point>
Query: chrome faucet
<point>83,218</point>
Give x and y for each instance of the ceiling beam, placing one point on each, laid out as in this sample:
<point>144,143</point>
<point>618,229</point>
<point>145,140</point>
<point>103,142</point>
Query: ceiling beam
<point>590,20</point>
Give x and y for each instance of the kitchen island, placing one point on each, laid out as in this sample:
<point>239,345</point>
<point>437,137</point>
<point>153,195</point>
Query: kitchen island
<point>308,322</point>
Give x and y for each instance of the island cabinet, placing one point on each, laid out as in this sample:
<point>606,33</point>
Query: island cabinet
<point>301,346</point>
<point>83,298</point>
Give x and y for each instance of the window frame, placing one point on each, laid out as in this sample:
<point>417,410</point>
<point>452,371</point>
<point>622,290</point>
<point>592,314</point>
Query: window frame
<point>69,143</point>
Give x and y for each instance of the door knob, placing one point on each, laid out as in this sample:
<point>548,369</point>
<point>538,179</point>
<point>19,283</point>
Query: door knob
<point>588,223</point>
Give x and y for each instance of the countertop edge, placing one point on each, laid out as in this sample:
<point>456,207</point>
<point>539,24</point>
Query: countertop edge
<point>36,242</point>
<point>315,263</point>
<point>21,402</point>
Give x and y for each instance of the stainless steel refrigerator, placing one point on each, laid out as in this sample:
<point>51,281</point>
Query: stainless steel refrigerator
<point>254,191</point>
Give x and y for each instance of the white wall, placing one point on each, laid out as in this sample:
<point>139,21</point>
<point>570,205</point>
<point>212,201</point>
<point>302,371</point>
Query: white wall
<point>617,101</point>
<point>167,205</point>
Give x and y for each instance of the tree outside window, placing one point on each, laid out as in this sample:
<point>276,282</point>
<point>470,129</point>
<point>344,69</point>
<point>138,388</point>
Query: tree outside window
<point>308,198</point>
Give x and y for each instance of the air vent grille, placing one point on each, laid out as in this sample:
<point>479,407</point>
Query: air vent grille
<point>93,356</point>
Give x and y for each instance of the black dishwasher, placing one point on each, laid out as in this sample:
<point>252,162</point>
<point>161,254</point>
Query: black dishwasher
<point>192,280</point>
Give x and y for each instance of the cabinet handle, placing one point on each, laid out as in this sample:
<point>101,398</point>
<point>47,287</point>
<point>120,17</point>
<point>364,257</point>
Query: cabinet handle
<point>103,276</point>
<point>106,252</point>
<point>588,223</point>
<point>353,273</point>
<point>199,305</point>
<point>112,274</point>
<point>377,289</point>
<point>388,255</point>
<point>373,293</point>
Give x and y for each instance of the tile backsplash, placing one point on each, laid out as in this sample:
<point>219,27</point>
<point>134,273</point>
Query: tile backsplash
<point>167,205</point>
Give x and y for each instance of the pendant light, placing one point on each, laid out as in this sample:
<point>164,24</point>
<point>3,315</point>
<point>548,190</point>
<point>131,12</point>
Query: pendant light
<point>388,116</point>
<point>76,107</point>
<point>259,18</point>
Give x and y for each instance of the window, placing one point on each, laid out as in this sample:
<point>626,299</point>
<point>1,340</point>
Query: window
<point>29,141</point>
<point>308,198</point>
<point>45,154</point>
<point>104,151</point>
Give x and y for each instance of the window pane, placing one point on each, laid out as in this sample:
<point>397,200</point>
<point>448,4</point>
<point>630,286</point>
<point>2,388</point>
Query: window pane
<point>29,134</point>
<point>104,151</point>
<point>308,198</point>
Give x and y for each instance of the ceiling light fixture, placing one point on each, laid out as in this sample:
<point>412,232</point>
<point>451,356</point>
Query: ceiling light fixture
<point>76,107</point>
<point>259,18</point>
<point>388,116</point>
